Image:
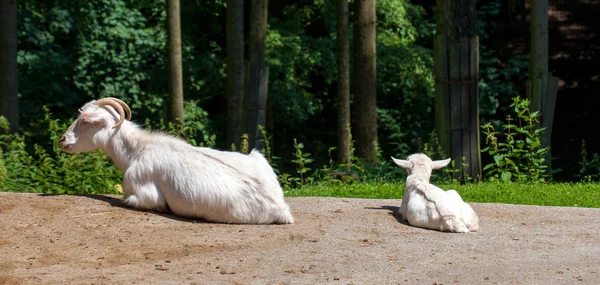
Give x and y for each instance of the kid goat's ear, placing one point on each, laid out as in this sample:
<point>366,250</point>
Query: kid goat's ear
<point>403,163</point>
<point>440,163</point>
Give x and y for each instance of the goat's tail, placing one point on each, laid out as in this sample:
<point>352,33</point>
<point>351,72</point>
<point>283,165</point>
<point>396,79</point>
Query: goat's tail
<point>260,157</point>
<point>285,216</point>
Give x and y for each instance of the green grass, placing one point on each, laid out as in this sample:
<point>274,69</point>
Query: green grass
<point>552,194</point>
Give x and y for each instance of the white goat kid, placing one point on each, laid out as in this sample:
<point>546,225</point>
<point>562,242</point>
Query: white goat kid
<point>163,172</point>
<point>427,206</point>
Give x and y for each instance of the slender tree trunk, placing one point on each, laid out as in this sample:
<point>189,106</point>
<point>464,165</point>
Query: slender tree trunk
<point>9,100</point>
<point>542,87</point>
<point>175,66</point>
<point>365,96</point>
<point>258,74</point>
<point>235,70</point>
<point>343,92</point>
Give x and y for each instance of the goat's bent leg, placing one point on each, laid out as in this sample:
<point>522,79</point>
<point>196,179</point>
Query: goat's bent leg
<point>143,196</point>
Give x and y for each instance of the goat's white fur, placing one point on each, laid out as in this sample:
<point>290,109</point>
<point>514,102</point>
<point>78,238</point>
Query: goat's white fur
<point>162,171</point>
<point>427,206</point>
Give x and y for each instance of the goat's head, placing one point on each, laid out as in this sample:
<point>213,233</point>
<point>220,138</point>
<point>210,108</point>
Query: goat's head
<point>420,163</point>
<point>96,118</point>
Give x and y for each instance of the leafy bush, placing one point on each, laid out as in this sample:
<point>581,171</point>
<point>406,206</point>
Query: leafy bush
<point>54,171</point>
<point>46,168</point>
<point>196,128</point>
<point>590,168</point>
<point>502,71</point>
<point>405,77</point>
<point>521,157</point>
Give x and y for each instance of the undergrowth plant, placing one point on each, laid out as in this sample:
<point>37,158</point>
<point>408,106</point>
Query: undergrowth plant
<point>194,129</point>
<point>48,169</point>
<point>302,159</point>
<point>346,172</point>
<point>272,159</point>
<point>517,151</point>
<point>590,168</point>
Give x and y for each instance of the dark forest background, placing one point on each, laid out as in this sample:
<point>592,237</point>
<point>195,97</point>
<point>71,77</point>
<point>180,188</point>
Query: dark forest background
<point>73,51</point>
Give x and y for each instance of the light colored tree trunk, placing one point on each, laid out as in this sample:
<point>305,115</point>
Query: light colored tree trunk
<point>175,65</point>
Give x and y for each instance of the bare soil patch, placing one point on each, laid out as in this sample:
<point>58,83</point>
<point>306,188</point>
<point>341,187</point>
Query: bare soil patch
<point>61,239</point>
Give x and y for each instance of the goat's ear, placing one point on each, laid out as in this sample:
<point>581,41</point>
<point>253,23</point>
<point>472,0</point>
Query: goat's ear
<point>91,118</point>
<point>403,163</point>
<point>437,164</point>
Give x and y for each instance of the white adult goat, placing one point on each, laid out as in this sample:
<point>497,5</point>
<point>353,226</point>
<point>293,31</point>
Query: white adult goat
<point>427,206</point>
<point>161,171</point>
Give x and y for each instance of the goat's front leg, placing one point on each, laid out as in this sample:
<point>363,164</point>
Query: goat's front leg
<point>143,196</point>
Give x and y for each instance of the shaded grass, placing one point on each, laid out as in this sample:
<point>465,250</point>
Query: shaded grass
<point>552,194</point>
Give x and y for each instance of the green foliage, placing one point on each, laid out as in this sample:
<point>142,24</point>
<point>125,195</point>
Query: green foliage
<point>45,57</point>
<point>79,50</point>
<point>74,51</point>
<point>354,165</point>
<point>302,71</point>
<point>497,81</point>
<point>521,157</point>
<point>195,129</point>
<point>116,48</point>
<point>302,160</point>
<point>54,171</point>
<point>590,168</point>
<point>344,172</point>
<point>267,151</point>
<point>46,168</point>
<point>71,52</point>
<point>294,59</point>
<point>404,75</point>
<point>433,148</point>
<point>244,145</point>
<point>500,69</point>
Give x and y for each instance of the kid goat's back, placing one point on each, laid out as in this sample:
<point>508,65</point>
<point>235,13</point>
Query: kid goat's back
<point>428,206</point>
<point>163,172</point>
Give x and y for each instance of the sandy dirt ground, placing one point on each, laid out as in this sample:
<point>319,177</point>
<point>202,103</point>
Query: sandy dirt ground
<point>61,239</point>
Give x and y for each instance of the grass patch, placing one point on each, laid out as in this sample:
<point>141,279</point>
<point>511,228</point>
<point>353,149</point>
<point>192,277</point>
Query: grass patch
<point>552,194</point>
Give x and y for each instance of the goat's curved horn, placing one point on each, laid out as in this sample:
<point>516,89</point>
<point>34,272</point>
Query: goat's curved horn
<point>124,107</point>
<point>113,103</point>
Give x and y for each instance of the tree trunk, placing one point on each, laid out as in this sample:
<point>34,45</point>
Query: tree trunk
<point>9,100</point>
<point>258,74</point>
<point>235,70</point>
<point>542,87</point>
<point>343,92</point>
<point>456,18</point>
<point>365,96</point>
<point>538,60</point>
<point>175,66</point>
<point>457,96</point>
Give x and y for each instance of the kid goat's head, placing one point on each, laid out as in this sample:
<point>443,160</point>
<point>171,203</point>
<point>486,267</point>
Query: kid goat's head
<point>420,163</point>
<point>96,119</point>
